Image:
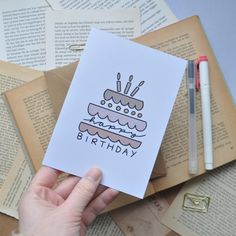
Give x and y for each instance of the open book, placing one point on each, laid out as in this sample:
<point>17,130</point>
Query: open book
<point>185,39</point>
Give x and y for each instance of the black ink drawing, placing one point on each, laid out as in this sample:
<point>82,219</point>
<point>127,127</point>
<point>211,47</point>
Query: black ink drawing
<point>117,107</point>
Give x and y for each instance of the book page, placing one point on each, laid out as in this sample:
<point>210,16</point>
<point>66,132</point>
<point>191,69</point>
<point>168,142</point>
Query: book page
<point>189,42</point>
<point>143,217</point>
<point>35,119</point>
<point>154,13</point>
<point>104,226</point>
<point>22,33</point>
<point>13,178</point>
<point>11,76</point>
<point>68,30</point>
<point>17,181</point>
<point>220,186</point>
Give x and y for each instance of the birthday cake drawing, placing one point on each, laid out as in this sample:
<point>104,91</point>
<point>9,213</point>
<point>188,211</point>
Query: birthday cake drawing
<point>118,117</point>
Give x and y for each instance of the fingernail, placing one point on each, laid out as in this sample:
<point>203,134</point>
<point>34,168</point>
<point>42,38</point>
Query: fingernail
<point>94,174</point>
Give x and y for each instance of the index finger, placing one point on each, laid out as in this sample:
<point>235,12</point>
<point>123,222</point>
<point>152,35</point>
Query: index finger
<point>46,177</point>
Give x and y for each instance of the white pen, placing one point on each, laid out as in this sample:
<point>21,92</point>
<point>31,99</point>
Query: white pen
<point>192,129</point>
<point>206,112</point>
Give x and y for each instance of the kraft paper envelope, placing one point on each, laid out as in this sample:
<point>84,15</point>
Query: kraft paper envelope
<point>58,81</point>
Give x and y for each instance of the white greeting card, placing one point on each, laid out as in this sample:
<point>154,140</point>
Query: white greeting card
<point>116,112</point>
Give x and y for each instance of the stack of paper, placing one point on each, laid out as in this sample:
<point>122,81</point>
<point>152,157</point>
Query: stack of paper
<point>42,37</point>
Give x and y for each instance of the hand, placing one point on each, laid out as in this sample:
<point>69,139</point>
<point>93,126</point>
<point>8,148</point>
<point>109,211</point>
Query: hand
<point>66,209</point>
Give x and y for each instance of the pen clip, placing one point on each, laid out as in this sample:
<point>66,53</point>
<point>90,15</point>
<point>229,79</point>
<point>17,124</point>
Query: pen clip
<point>197,79</point>
<point>198,61</point>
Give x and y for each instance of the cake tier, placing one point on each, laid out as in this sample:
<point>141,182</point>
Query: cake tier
<point>114,116</point>
<point>104,134</point>
<point>123,99</point>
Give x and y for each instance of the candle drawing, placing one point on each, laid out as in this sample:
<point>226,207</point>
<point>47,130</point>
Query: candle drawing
<point>136,89</point>
<point>128,85</point>
<point>118,83</point>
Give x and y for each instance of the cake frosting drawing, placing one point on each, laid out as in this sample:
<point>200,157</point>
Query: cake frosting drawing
<point>118,117</point>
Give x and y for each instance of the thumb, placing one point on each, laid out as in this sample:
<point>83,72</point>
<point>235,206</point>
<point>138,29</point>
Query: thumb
<point>84,190</point>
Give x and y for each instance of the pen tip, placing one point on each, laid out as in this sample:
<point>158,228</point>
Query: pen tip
<point>209,166</point>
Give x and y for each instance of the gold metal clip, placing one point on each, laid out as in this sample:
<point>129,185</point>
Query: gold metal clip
<point>194,202</point>
<point>77,47</point>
